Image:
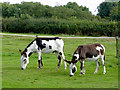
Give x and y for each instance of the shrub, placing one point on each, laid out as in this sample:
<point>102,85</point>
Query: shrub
<point>57,26</point>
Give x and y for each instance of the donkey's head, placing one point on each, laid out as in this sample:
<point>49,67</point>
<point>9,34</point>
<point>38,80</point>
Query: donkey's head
<point>24,60</point>
<point>72,67</point>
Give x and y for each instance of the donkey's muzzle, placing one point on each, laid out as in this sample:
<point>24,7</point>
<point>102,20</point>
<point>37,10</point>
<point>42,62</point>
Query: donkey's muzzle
<point>71,75</point>
<point>22,68</point>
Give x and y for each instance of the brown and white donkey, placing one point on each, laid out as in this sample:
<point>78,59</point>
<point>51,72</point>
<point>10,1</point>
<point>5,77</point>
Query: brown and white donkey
<point>87,53</point>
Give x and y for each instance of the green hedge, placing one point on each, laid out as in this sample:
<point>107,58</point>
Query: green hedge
<point>52,26</point>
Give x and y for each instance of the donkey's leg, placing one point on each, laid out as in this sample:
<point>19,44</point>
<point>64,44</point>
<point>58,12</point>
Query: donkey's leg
<point>103,63</point>
<point>59,59</point>
<point>39,60</point>
<point>40,63</point>
<point>82,67</point>
<point>63,57</point>
<point>98,64</point>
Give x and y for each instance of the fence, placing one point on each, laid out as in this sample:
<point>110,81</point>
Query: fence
<point>118,46</point>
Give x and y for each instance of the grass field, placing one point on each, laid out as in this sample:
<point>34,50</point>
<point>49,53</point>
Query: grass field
<point>48,76</point>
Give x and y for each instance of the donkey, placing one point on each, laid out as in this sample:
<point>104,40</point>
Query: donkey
<point>43,45</point>
<point>87,53</point>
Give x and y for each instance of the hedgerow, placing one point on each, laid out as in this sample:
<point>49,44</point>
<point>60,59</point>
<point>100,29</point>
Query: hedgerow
<point>57,26</point>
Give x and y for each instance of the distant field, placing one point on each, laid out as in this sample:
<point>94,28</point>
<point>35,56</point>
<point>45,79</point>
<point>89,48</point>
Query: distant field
<point>48,76</point>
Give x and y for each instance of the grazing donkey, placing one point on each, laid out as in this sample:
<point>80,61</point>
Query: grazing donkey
<point>87,53</point>
<point>43,45</point>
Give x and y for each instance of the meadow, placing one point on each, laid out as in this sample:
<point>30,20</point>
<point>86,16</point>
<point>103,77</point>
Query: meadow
<point>48,76</point>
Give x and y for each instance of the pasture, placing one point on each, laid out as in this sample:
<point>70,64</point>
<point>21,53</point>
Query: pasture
<point>48,76</point>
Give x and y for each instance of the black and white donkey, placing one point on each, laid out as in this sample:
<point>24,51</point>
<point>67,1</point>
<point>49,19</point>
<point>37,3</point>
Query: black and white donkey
<point>43,45</point>
<point>87,53</point>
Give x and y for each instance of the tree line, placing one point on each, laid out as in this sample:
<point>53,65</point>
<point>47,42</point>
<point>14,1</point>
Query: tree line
<point>37,10</point>
<point>67,19</point>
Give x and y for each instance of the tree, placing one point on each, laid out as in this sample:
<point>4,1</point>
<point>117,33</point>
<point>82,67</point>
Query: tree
<point>9,10</point>
<point>62,12</point>
<point>5,10</point>
<point>73,5</point>
<point>80,11</point>
<point>105,8</point>
<point>114,14</point>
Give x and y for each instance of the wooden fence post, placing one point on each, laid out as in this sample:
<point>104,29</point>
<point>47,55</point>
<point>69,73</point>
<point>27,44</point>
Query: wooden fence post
<point>117,47</point>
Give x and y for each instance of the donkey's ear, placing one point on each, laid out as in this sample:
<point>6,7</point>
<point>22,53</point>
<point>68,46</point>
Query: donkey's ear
<point>67,61</point>
<point>20,51</point>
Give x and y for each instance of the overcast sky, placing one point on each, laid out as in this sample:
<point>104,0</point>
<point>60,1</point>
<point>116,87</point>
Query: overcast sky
<point>91,4</point>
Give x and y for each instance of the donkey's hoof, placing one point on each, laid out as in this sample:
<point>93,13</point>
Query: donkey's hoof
<point>57,68</point>
<point>104,73</point>
<point>38,68</point>
<point>81,73</point>
<point>65,68</point>
<point>95,72</point>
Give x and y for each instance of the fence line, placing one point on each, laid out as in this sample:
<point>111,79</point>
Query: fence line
<point>117,46</point>
<point>60,37</point>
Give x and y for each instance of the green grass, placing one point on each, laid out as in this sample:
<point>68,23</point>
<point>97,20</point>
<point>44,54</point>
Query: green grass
<point>48,76</point>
